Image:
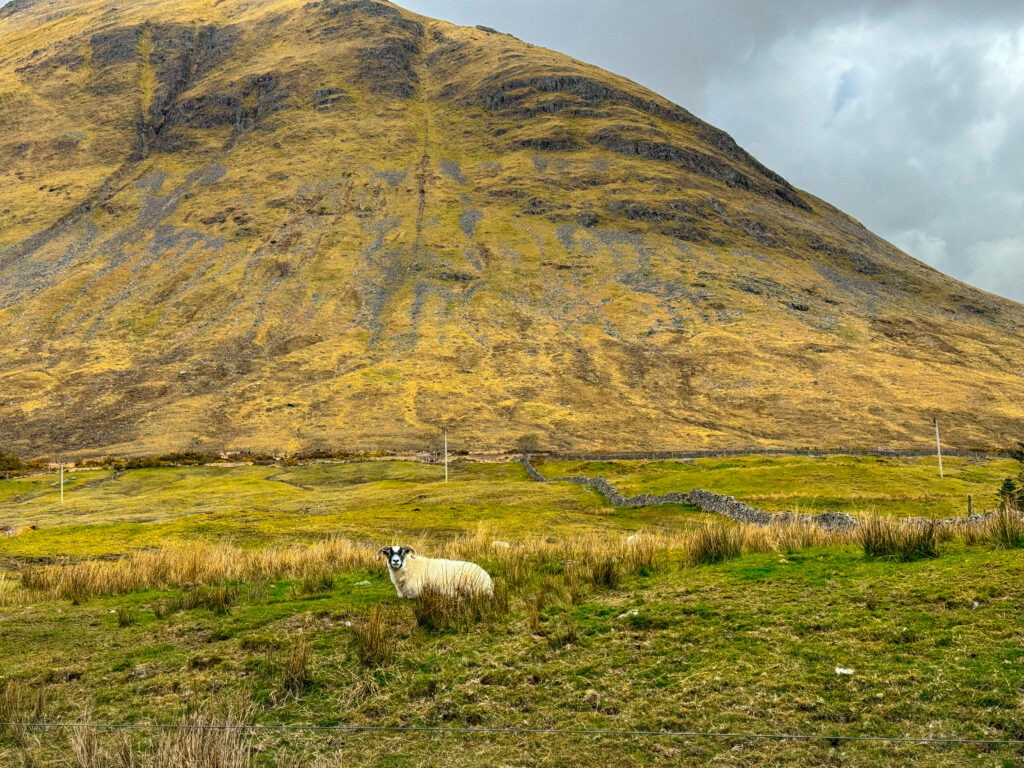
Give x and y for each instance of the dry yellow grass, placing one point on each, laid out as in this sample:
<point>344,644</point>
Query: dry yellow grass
<point>203,565</point>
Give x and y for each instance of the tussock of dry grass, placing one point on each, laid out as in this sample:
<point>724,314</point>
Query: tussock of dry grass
<point>192,745</point>
<point>373,640</point>
<point>884,539</point>
<point>1006,528</point>
<point>713,544</point>
<point>439,610</point>
<point>295,670</point>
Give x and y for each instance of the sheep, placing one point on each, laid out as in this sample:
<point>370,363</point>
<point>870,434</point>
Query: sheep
<point>499,544</point>
<point>410,573</point>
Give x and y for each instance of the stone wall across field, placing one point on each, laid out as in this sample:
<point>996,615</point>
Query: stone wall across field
<point>734,509</point>
<point>706,501</point>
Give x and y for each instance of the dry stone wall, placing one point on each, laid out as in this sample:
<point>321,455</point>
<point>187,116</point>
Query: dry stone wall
<point>734,509</point>
<point>706,501</point>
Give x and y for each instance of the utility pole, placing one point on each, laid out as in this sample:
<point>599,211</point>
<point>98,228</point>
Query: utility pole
<point>446,454</point>
<point>938,445</point>
<point>62,483</point>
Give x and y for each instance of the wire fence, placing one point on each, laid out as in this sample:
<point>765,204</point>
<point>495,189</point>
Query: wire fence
<point>513,731</point>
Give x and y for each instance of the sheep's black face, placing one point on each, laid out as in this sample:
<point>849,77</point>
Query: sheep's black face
<point>395,556</point>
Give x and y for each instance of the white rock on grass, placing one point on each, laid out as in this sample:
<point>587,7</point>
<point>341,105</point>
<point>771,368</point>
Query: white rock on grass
<point>843,671</point>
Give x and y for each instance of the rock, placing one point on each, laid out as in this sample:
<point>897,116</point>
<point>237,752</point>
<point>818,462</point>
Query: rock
<point>387,69</point>
<point>627,614</point>
<point>453,170</point>
<point>843,671</point>
<point>325,98</point>
<point>361,584</point>
<point>468,221</point>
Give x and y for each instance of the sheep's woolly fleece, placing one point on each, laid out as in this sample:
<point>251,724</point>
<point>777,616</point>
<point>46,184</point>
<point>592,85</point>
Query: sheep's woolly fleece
<point>454,577</point>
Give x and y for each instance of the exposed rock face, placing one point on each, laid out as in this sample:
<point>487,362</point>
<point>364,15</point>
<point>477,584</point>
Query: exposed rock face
<point>339,225</point>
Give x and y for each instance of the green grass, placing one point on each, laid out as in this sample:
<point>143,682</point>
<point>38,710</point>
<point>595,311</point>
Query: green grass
<point>107,513</point>
<point>744,643</point>
<point>857,484</point>
<point>749,645</point>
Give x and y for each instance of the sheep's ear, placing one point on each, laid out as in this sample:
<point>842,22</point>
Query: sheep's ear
<point>384,552</point>
<point>408,551</point>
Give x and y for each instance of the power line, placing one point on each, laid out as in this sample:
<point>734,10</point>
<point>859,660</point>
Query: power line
<point>513,731</point>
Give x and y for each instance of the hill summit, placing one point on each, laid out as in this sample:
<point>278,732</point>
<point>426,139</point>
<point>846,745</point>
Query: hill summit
<point>289,226</point>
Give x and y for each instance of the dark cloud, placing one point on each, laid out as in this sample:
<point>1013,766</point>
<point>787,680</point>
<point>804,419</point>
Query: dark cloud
<point>907,115</point>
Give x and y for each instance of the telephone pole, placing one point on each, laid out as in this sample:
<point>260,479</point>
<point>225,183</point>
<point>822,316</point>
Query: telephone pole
<point>938,445</point>
<point>62,483</point>
<point>446,454</point>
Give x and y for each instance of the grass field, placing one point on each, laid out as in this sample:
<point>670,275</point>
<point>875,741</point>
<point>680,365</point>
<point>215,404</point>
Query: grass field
<point>107,513</point>
<point>747,645</point>
<point>857,484</point>
<point>750,645</point>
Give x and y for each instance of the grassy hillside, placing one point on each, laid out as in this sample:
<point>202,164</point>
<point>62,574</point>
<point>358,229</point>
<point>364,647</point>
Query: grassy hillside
<point>283,226</point>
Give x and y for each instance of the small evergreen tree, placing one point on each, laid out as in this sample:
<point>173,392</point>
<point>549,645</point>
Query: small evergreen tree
<point>1009,493</point>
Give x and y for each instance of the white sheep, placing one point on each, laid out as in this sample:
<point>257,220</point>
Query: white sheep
<point>410,573</point>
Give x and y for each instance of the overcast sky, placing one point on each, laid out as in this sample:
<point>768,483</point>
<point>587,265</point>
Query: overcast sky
<point>908,115</point>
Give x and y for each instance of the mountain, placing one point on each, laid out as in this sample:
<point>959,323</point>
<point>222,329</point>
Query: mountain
<point>289,226</point>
